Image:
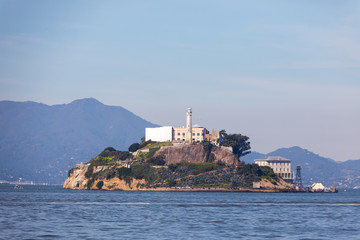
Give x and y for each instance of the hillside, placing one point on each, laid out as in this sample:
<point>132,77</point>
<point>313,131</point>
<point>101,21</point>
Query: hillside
<point>316,168</point>
<point>169,168</point>
<point>40,142</point>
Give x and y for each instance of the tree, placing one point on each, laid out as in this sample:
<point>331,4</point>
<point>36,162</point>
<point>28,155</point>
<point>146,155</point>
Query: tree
<point>239,143</point>
<point>134,147</point>
<point>100,184</point>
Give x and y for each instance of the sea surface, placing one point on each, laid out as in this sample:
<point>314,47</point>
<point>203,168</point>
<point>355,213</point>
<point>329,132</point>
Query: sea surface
<point>50,212</point>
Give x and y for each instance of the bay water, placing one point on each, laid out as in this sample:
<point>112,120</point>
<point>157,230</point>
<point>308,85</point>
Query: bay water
<point>50,212</point>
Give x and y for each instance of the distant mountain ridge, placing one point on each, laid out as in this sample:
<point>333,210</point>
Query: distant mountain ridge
<point>315,168</point>
<point>40,143</point>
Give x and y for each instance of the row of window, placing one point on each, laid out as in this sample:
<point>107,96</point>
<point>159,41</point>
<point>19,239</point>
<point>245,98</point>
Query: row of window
<point>184,139</point>
<point>285,175</point>
<point>275,164</point>
<point>197,134</point>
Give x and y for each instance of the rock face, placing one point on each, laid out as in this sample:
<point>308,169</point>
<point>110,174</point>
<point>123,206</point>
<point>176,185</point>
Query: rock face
<point>77,180</point>
<point>194,154</point>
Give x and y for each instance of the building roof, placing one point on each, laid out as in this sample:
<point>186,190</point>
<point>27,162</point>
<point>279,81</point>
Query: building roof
<point>273,159</point>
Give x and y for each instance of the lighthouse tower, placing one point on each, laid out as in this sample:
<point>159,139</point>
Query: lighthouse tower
<point>188,126</point>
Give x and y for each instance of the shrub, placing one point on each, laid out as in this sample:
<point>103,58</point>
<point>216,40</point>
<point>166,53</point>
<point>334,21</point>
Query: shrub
<point>197,168</point>
<point>123,172</point>
<point>107,151</point>
<point>89,183</point>
<point>173,167</point>
<point>151,152</point>
<point>70,172</point>
<point>134,147</point>
<point>100,184</point>
<point>144,144</point>
<point>207,150</point>
<point>110,174</point>
<point>220,163</point>
<point>140,171</point>
<point>172,182</point>
<point>89,171</point>
<point>159,160</point>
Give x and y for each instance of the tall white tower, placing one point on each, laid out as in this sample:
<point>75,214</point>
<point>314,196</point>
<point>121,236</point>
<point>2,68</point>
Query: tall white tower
<point>188,126</point>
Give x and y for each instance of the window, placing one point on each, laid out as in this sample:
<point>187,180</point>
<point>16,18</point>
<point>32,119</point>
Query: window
<point>198,134</point>
<point>193,139</point>
<point>178,134</point>
<point>193,134</point>
<point>183,134</point>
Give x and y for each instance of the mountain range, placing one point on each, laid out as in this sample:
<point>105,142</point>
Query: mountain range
<point>41,143</point>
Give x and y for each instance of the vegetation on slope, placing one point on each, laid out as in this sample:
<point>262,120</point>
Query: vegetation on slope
<point>207,174</point>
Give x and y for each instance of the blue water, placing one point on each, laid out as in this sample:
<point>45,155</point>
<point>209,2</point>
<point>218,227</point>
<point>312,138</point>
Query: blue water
<point>49,212</point>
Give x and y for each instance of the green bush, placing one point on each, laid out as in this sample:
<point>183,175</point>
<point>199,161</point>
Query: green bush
<point>89,183</point>
<point>134,147</point>
<point>144,144</point>
<point>144,171</point>
<point>89,171</point>
<point>151,152</point>
<point>159,160</point>
<point>100,184</point>
<point>123,172</point>
<point>173,167</point>
<point>70,172</point>
<point>197,168</point>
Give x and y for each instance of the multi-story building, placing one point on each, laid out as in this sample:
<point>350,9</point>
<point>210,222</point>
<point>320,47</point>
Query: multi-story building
<point>197,134</point>
<point>281,167</point>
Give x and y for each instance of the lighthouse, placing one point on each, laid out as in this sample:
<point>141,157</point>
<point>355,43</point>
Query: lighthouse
<point>188,126</point>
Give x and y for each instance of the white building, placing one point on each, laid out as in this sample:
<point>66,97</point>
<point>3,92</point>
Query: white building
<point>159,134</point>
<point>280,166</point>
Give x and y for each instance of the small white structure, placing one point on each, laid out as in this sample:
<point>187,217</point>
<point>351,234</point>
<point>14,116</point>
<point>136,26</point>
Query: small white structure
<point>159,134</point>
<point>318,187</point>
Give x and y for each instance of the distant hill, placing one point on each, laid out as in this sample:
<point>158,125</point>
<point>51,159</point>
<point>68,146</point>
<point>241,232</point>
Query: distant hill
<point>315,168</point>
<point>40,142</point>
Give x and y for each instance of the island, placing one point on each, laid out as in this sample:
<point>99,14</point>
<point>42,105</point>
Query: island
<point>169,166</point>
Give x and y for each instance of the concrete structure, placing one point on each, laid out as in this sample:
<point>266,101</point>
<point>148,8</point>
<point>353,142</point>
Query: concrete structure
<point>213,137</point>
<point>159,134</point>
<point>281,167</point>
<point>188,126</point>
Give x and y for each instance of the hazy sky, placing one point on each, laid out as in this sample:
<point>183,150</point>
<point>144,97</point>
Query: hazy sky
<point>284,73</point>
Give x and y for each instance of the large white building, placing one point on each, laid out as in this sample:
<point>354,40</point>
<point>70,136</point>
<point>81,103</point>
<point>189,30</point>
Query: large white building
<point>159,134</point>
<point>280,166</point>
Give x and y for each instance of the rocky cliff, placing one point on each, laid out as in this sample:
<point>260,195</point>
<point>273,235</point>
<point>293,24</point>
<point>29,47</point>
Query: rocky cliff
<point>195,154</point>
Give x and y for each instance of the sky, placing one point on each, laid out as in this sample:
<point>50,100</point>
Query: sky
<point>284,73</point>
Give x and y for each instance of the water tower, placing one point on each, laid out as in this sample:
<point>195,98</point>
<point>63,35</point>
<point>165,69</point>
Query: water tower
<point>298,181</point>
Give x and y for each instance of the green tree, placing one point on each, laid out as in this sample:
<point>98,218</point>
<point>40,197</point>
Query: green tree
<point>134,147</point>
<point>239,143</point>
<point>100,184</point>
